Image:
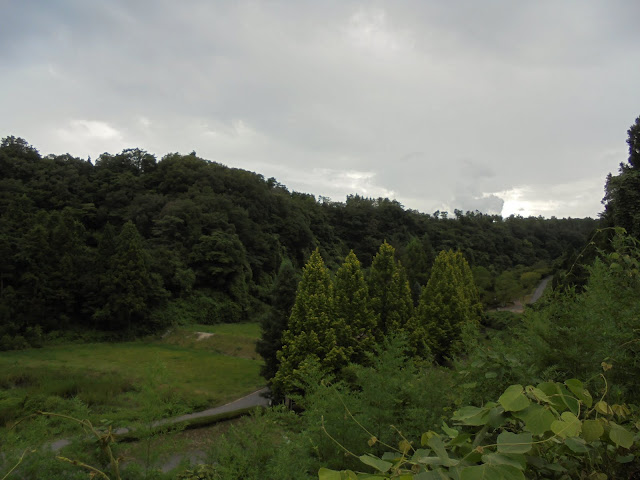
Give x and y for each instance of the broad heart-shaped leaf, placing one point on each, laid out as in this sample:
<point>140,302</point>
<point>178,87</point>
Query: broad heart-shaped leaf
<point>420,453</point>
<point>326,474</point>
<point>568,426</point>
<point>491,472</point>
<point>473,416</point>
<point>620,436</point>
<point>625,458</point>
<point>514,399</point>
<point>579,391</point>
<point>514,442</point>
<point>592,430</point>
<point>438,447</point>
<point>376,463</point>
<point>453,433</point>
<point>560,398</point>
<point>513,459</point>
<point>537,394</point>
<point>604,408</point>
<point>537,419</point>
<point>576,444</point>
<point>437,474</point>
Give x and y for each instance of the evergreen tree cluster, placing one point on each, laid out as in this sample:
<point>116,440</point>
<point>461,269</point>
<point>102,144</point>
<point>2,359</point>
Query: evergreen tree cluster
<point>337,322</point>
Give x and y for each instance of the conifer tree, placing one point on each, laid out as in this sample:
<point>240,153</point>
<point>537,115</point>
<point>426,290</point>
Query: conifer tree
<point>417,257</point>
<point>354,322</point>
<point>311,336</point>
<point>389,291</point>
<point>448,302</point>
<point>128,285</point>
<point>273,325</point>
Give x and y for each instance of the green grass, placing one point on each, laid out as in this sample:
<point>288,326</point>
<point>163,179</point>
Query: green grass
<point>121,382</point>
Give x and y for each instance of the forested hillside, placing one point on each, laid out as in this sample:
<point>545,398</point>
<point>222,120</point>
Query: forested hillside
<point>127,243</point>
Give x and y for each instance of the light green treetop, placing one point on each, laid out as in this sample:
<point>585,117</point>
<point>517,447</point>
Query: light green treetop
<point>311,335</point>
<point>353,320</point>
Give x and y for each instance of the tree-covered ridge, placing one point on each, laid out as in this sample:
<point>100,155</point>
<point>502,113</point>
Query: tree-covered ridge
<point>206,240</point>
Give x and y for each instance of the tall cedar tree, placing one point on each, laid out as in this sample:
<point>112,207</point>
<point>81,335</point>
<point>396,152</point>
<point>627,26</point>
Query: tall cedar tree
<point>448,302</point>
<point>128,285</point>
<point>311,338</point>
<point>417,257</point>
<point>390,293</point>
<point>274,324</point>
<point>351,310</point>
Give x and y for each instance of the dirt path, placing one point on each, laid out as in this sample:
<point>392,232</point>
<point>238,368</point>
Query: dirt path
<point>255,399</point>
<point>518,307</point>
<point>540,290</point>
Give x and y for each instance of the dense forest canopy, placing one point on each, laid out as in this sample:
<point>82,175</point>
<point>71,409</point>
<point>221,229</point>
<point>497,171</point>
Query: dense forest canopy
<point>128,243</point>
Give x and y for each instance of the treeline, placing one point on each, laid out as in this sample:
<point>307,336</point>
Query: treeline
<point>128,243</point>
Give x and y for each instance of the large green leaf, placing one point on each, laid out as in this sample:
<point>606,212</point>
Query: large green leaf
<point>438,474</point>
<point>576,444</point>
<point>592,430</point>
<point>473,416</point>
<point>452,432</point>
<point>492,472</point>
<point>560,398</point>
<point>537,394</point>
<point>604,408</point>
<point>438,447</point>
<point>577,388</point>
<point>620,436</point>
<point>513,459</point>
<point>376,463</point>
<point>326,474</point>
<point>537,419</point>
<point>514,442</point>
<point>514,399</point>
<point>568,426</point>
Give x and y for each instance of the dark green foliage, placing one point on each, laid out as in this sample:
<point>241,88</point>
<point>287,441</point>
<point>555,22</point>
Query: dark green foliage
<point>351,311</point>
<point>209,230</point>
<point>390,396</point>
<point>275,322</point>
<point>311,338</point>
<point>622,197</point>
<point>261,448</point>
<point>417,258</point>
<point>602,320</point>
<point>128,285</point>
<point>448,304</point>
<point>633,141</point>
<point>390,293</point>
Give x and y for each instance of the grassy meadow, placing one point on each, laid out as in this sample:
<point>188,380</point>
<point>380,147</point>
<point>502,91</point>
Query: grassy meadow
<point>118,382</point>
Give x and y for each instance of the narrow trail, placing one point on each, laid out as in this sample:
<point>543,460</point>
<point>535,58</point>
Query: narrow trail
<point>540,290</point>
<point>518,306</point>
<point>255,399</point>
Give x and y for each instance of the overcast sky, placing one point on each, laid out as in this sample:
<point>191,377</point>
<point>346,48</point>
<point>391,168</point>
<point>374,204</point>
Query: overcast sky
<point>501,106</point>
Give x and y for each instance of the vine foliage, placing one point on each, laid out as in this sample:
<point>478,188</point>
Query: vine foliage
<point>551,430</point>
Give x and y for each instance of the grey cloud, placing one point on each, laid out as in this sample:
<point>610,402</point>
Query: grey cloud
<point>442,103</point>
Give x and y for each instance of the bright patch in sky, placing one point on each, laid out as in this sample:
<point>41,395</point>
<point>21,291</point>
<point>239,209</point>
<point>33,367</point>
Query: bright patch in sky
<point>79,130</point>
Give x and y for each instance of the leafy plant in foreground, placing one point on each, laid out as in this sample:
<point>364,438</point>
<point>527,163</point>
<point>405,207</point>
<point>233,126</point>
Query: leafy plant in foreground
<point>552,430</point>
